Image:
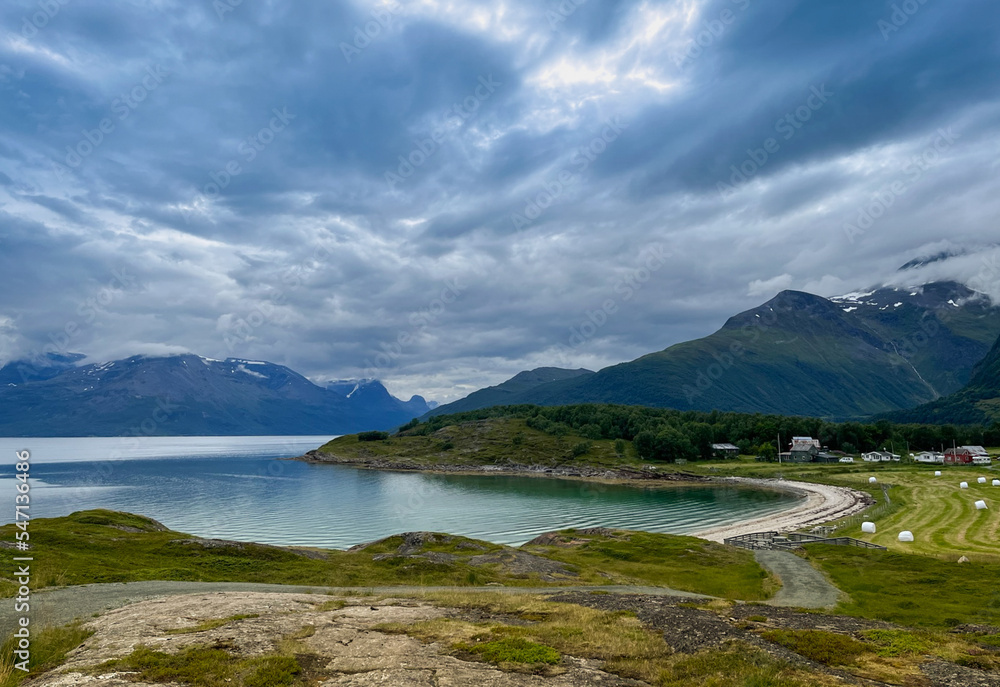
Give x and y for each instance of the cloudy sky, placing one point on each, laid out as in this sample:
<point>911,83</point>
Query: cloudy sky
<point>440,193</point>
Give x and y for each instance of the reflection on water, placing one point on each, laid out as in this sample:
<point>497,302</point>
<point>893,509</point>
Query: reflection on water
<point>237,488</point>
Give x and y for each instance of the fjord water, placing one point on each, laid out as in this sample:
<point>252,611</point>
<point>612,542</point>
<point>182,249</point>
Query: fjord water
<point>242,488</point>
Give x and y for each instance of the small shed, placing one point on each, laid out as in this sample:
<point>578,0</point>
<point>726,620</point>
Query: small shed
<point>725,451</point>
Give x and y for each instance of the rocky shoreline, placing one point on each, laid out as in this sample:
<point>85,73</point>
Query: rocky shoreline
<point>584,472</point>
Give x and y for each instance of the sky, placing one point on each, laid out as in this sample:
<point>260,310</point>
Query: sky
<point>440,193</point>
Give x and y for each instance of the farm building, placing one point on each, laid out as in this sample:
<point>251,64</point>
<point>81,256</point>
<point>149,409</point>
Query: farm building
<point>725,451</point>
<point>976,451</point>
<point>929,457</point>
<point>879,457</point>
<point>958,456</point>
<point>804,450</point>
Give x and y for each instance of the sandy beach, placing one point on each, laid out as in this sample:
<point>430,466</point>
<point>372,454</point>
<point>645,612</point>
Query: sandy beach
<point>823,503</point>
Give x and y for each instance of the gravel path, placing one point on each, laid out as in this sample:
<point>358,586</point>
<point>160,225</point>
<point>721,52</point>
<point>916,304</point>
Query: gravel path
<point>61,606</point>
<point>802,586</point>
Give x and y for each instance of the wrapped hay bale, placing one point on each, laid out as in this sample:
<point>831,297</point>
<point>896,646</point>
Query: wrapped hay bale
<point>937,473</point>
<point>906,535</point>
<point>996,483</point>
<point>982,480</point>
<point>981,505</point>
<point>872,480</point>
<point>963,485</point>
<point>868,527</point>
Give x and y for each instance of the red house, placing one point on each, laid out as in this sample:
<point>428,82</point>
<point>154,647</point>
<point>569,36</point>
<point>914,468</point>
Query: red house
<point>958,456</point>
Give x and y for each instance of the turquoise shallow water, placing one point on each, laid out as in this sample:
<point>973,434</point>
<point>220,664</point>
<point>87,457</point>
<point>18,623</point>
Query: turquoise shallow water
<point>240,488</point>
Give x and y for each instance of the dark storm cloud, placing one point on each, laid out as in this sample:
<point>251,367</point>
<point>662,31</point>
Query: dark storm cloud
<point>301,182</point>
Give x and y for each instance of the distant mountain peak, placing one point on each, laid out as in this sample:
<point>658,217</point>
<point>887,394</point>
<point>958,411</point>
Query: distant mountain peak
<point>931,259</point>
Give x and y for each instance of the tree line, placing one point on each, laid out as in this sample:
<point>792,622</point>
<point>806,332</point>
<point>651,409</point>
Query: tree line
<point>666,434</point>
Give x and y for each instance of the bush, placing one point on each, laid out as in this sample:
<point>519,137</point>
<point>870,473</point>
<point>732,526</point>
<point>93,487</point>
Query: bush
<point>446,446</point>
<point>829,648</point>
<point>620,447</point>
<point>581,449</point>
<point>516,650</point>
<point>373,436</point>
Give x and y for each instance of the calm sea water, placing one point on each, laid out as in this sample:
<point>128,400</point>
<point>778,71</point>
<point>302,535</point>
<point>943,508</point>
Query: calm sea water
<point>240,488</point>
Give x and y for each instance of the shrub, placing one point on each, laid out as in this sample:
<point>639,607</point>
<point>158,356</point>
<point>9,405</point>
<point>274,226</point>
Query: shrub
<point>515,650</point>
<point>446,446</point>
<point>829,648</point>
<point>581,449</point>
<point>373,436</point>
<point>893,643</point>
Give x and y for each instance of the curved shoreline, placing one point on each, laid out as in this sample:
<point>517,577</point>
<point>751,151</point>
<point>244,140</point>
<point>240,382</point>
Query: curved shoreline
<point>823,502</point>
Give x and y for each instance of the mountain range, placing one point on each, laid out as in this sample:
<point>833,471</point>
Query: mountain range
<point>798,354</point>
<point>922,351</point>
<point>187,395</point>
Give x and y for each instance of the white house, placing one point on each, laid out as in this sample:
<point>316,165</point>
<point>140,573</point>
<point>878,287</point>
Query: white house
<point>872,457</point>
<point>930,457</point>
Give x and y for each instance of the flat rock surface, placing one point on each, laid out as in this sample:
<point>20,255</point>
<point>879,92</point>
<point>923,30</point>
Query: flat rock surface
<point>345,643</point>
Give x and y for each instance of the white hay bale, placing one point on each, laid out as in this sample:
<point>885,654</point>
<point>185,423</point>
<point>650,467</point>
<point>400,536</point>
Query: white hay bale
<point>963,559</point>
<point>872,480</point>
<point>937,473</point>
<point>963,485</point>
<point>982,480</point>
<point>868,527</point>
<point>980,505</point>
<point>996,483</point>
<point>906,535</point>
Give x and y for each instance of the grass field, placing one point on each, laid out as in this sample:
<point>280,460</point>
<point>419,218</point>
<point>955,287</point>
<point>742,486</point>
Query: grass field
<point>942,517</point>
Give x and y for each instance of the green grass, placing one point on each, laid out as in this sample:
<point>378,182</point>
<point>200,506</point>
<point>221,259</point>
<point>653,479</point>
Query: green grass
<point>495,441</point>
<point>513,650</point>
<point>828,648</point>
<point>49,647</point>
<point>205,667</point>
<point>685,563</point>
<point>90,547</point>
<point>913,590</point>
<point>736,665</point>
<point>893,643</point>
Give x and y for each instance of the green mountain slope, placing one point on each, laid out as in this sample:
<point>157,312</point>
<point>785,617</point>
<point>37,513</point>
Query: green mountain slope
<point>977,403</point>
<point>801,354</point>
<point>502,394</point>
